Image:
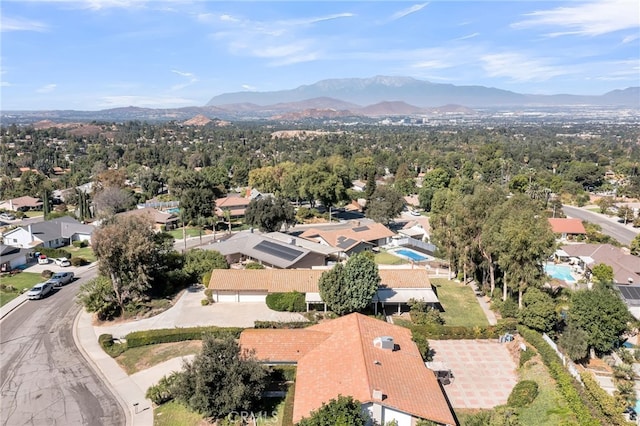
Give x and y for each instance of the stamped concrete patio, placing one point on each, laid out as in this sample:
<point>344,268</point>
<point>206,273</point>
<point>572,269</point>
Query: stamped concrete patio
<point>484,372</point>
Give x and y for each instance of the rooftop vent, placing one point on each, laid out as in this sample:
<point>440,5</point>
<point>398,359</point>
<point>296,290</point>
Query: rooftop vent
<point>384,342</point>
<point>377,395</point>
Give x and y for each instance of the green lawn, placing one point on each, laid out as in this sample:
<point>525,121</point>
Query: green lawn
<point>385,258</point>
<point>175,414</point>
<point>21,281</point>
<point>84,252</point>
<point>143,357</point>
<point>460,305</point>
<point>549,407</point>
<point>191,232</point>
<point>34,213</point>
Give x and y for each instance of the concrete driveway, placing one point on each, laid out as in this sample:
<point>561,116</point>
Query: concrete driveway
<point>484,372</point>
<point>188,312</point>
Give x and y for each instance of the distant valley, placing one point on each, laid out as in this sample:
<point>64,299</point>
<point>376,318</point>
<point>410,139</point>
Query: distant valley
<point>344,99</point>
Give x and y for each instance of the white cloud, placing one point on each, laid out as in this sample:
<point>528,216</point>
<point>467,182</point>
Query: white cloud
<point>20,24</point>
<point>518,67</point>
<point>249,87</point>
<point>47,88</point>
<point>144,101</point>
<point>467,37</point>
<point>191,78</point>
<point>408,11</point>
<point>630,38</point>
<point>5,84</point>
<point>431,64</point>
<point>589,19</point>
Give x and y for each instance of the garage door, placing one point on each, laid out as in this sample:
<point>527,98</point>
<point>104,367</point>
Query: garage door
<point>253,296</point>
<point>227,297</point>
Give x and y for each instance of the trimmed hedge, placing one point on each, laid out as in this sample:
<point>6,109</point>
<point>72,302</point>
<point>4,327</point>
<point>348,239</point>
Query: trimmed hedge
<point>286,302</point>
<point>166,335</point>
<point>526,355</point>
<point>112,349</point>
<point>282,324</point>
<point>602,400</point>
<point>523,393</point>
<point>567,385</point>
<point>78,261</point>
<point>80,243</point>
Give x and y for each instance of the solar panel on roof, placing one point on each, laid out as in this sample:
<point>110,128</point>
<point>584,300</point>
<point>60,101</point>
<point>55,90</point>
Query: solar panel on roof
<point>630,293</point>
<point>360,229</point>
<point>283,252</point>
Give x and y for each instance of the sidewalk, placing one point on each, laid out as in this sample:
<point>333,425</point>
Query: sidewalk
<point>138,410</point>
<point>11,305</point>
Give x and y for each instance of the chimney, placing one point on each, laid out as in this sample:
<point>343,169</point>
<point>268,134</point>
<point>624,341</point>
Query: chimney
<point>30,233</point>
<point>292,241</point>
<point>384,342</point>
<point>377,395</point>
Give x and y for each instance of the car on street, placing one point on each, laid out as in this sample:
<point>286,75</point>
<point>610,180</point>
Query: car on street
<point>7,216</point>
<point>61,278</point>
<point>39,290</point>
<point>62,261</point>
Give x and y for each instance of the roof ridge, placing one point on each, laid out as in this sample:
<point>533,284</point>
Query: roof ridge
<point>364,359</point>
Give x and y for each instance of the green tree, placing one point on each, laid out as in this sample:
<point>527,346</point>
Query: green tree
<point>526,242</point>
<point>625,213</point>
<point>269,213</point>
<point>220,380</point>
<point>197,203</point>
<point>538,310</point>
<point>385,204</point>
<point>574,342</point>
<point>601,314</point>
<point>635,246</point>
<point>97,296</point>
<point>342,411</point>
<point>350,288</point>
<point>602,273</point>
<point>128,253</point>
<point>198,262</point>
<point>604,204</point>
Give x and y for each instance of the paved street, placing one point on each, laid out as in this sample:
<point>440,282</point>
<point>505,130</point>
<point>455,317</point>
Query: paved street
<point>610,225</point>
<point>44,380</point>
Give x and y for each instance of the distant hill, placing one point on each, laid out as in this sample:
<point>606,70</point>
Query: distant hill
<point>368,91</point>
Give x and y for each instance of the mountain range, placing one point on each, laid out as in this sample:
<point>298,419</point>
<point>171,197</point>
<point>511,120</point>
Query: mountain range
<point>378,96</point>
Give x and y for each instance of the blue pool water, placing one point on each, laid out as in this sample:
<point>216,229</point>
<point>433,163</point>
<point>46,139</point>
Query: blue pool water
<point>560,272</point>
<point>413,255</point>
<point>173,210</point>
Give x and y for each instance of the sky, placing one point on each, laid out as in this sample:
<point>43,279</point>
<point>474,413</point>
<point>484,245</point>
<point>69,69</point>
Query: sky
<point>99,54</point>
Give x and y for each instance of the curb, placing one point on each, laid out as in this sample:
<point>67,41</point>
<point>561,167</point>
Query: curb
<point>92,364</point>
<point>4,311</point>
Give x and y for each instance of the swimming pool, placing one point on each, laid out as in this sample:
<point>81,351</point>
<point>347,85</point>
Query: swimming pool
<point>411,255</point>
<point>560,272</point>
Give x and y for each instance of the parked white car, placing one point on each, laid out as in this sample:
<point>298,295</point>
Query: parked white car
<point>62,261</point>
<point>40,290</point>
<point>7,216</point>
<point>61,278</point>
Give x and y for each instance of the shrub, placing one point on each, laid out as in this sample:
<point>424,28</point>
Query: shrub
<point>526,355</point>
<point>161,392</point>
<point>166,335</point>
<point>508,308</point>
<point>80,243</point>
<point>423,346</point>
<point>11,289</point>
<point>209,293</point>
<point>568,387</point>
<point>287,302</point>
<point>253,265</point>
<point>46,273</point>
<point>204,302</point>
<point>444,332</point>
<point>51,252</point>
<point>112,349</point>
<point>206,278</point>
<point>78,261</point>
<point>602,400</point>
<point>282,324</point>
<point>523,393</point>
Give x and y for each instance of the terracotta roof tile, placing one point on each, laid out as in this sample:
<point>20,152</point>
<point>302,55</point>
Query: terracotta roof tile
<point>561,225</point>
<point>304,280</point>
<point>281,346</point>
<point>347,363</point>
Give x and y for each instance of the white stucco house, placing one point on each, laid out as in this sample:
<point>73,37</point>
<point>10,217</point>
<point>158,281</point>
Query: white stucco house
<point>50,233</point>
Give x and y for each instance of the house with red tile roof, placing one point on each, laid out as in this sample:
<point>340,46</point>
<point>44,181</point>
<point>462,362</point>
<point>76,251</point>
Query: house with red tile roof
<point>235,204</point>
<point>161,220</point>
<point>22,204</point>
<point>567,228</point>
<point>397,286</point>
<point>375,362</point>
